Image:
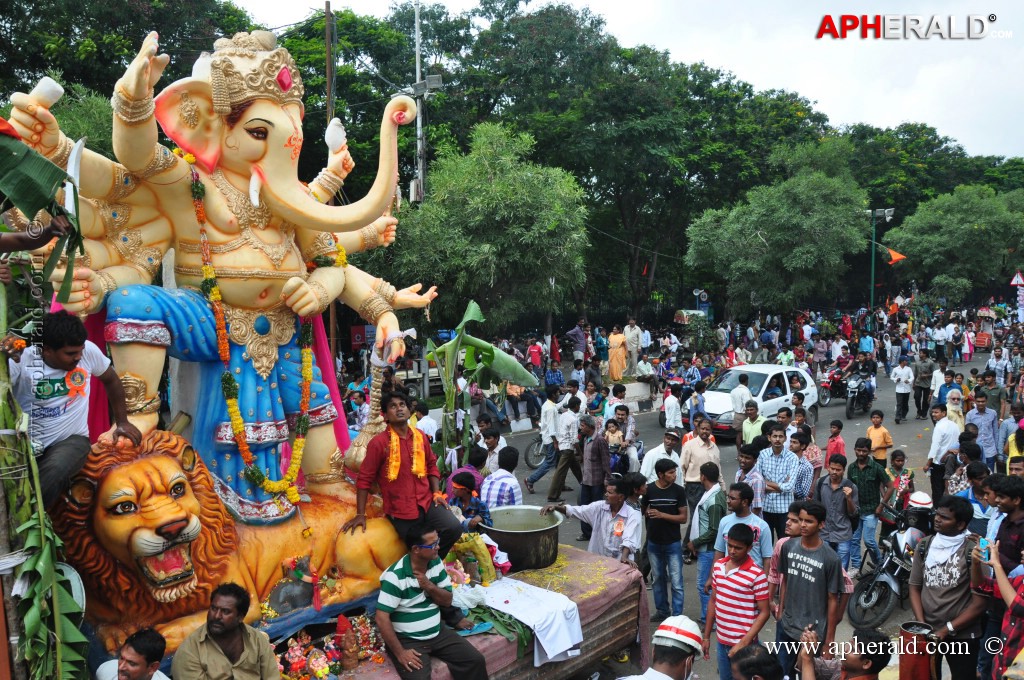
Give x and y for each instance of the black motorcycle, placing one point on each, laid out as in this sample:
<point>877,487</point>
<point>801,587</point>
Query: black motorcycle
<point>858,397</point>
<point>876,594</point>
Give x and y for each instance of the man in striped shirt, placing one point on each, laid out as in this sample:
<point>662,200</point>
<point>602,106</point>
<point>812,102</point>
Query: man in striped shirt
<point>739,599</point>
<point>412,592</point>
<point>501,486</point>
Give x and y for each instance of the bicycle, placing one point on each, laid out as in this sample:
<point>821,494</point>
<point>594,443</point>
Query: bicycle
<point>534,454</point>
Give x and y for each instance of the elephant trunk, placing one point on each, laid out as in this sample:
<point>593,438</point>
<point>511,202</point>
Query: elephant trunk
<point>294,205</point>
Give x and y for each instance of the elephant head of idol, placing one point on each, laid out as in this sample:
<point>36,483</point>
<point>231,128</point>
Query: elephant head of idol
<point>242,111</point>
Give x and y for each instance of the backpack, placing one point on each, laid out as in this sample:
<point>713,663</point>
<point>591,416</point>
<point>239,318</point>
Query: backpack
<point>854,519</point>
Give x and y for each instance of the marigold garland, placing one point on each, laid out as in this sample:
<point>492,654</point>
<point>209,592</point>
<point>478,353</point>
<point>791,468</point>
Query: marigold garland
<point>419,457</point>
<point>229,386</point>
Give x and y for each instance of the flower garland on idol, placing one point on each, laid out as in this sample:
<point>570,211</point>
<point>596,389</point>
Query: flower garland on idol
<point>229,386</point>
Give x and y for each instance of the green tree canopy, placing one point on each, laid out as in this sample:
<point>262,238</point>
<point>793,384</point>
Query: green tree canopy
<point>970,238</point>
<point>92,43</point>
<point>785,243</point>
<point>496,228</point>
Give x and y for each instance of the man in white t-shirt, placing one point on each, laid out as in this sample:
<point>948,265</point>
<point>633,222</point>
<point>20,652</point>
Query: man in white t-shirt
<point>673,409</point>
<point>138,659</point>
<point>51,383</point>
<point>739,396</point>
<point>903,376</point>
<point>424,423</point>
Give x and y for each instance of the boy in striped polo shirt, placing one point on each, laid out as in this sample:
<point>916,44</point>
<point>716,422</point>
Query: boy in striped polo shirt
<point>412,592</point>
<point>739,599</point>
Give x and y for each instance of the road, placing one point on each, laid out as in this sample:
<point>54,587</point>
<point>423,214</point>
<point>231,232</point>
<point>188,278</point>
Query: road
<point>912,436</point>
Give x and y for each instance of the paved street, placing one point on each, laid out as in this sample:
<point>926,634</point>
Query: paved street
<point>913,436</point>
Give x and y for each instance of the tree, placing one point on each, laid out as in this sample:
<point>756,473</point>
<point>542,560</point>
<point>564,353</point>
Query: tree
<point>968,238</point>
<point>653,142</point>
<point>91,43</point>
<point>901,167</point>
<point>785,244</point>
<point>495,228</point>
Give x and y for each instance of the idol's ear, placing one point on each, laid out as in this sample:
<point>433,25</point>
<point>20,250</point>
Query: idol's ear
<point>185,112</point>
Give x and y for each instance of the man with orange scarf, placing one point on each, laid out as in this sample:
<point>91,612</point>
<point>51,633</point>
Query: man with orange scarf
<point>401,462</point>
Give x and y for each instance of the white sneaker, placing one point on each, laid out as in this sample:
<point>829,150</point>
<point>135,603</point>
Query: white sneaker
<point>854,573</point>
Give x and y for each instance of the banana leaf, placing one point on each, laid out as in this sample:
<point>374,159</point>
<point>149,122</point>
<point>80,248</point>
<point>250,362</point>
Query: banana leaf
<point>505,625</point>
<point>27,179</point>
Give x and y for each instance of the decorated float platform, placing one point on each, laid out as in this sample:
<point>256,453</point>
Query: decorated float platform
<point>613,609</point>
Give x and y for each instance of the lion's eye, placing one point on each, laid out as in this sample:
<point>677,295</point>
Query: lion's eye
<point>125,508</point>
<point>178,490</point>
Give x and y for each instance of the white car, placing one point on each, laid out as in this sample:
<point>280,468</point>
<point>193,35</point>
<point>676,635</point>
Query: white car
<point>772,386</point>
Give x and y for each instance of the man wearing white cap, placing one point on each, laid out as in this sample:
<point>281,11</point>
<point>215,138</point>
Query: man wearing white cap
<point>676,642</point>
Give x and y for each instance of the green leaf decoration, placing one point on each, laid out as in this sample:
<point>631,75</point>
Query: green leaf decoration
<point>472,313</point>
<point>27,179</point>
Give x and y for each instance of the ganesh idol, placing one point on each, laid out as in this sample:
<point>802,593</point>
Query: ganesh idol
<point>255,252</point>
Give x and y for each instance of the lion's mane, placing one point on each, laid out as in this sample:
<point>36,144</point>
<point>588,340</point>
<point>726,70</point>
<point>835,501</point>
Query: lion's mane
<point>120,586</point>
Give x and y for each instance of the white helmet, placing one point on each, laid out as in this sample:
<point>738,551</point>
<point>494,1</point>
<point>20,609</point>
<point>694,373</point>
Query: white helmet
<point>681,632</point>
<point>919,500</point>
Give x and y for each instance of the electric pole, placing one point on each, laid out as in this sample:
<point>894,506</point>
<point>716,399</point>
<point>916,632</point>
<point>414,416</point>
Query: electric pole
<point>332,317</point>
<point>421,91</point>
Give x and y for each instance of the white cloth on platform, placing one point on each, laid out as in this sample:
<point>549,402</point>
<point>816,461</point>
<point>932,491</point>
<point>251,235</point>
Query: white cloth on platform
<point>553,617</point>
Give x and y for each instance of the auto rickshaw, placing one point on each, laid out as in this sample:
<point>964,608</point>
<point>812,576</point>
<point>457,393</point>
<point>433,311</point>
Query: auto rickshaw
<point>985,335</point>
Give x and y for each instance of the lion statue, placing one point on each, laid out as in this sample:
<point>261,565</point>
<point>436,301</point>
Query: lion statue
<point>151,539</point>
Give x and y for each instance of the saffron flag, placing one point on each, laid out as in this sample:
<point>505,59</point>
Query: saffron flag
<point>895,257</point>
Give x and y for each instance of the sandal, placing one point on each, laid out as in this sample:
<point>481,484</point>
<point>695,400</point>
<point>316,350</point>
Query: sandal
<point>528,484</point>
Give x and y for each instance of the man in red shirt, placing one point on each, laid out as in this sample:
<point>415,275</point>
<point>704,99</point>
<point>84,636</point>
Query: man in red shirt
<point>401,462</point>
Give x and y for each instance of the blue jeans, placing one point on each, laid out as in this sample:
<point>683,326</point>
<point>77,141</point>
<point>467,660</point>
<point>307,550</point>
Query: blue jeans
<point>550,458</point>
<point>667,571</point>
<point>724,663</point>
<point>787,659</point>
<point>499,415</point>
<point>705,562</point>
<point>843,551</point>
<point>868,527</point>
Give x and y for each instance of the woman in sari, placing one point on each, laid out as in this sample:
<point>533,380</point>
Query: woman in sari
<point>616,354</point>
<point>593,399</point>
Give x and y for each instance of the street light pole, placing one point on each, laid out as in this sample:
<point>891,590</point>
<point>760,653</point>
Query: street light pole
<point>878,212</point>
<point>871,305</point>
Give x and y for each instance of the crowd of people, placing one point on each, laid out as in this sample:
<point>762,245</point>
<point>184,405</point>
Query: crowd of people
<point>967,576</point>
<point>784,539</point>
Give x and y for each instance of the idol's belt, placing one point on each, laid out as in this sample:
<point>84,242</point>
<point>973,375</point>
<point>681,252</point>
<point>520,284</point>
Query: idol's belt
<point>238,273</point>
<point>261,332</point>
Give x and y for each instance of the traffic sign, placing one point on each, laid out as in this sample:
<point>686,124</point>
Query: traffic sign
<point>1018,279</point>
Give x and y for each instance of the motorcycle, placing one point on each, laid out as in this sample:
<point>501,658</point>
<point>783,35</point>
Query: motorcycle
<point>877,593</point>
<point>857,395</point>
<point>832,385</point>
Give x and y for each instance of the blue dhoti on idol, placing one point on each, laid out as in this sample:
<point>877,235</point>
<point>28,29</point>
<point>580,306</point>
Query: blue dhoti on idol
<point>266,362</point>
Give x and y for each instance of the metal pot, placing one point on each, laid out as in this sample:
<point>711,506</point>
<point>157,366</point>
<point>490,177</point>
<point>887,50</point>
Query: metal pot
<point>531,540</point>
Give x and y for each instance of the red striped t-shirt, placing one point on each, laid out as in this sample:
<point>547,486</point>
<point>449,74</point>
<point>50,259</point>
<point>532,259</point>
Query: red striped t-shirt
<point>737,593</point>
